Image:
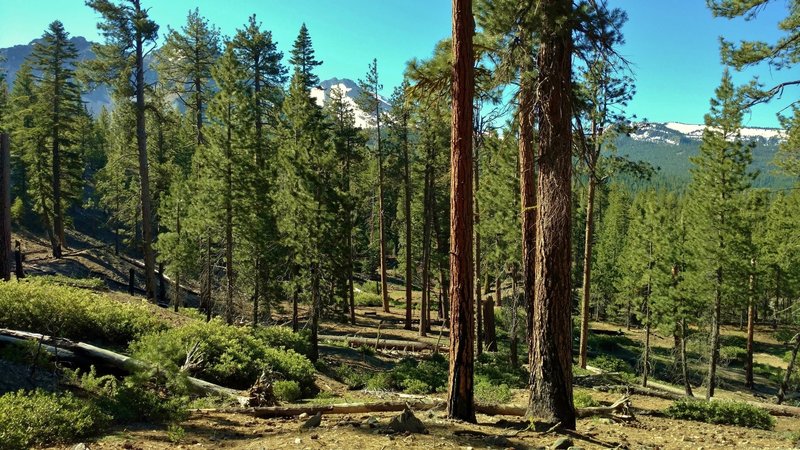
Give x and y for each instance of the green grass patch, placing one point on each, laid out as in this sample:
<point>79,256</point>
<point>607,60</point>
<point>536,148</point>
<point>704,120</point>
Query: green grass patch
<point>367,299</point>
<point>721,412</point>
<point>487,392</point>
<point>583,400</point>
<point>61,280</point>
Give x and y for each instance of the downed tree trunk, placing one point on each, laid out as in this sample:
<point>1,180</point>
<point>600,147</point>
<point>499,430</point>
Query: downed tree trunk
<point>620,406</point>
<point>383,343</point>
<point>97,355</point>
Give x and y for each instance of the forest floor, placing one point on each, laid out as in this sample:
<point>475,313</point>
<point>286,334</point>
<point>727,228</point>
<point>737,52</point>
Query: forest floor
<point>650,430</point>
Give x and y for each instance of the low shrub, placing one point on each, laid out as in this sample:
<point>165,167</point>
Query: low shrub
<point>487,392</point>
<point>381,381</point>
<point>610,364</point>
<point>583,400</point>
<point>732,355</point>
<point>230,356</point>
<point>721,412</point>
<point>415,386</point>
<point>367,299</point>
<point>61,280</point>
<point>353,378</point>
<point>41,307</point>
<point>287,390</point>
<point>43,418</point>
<point>494,367</point>
<point>429,375</point>
<point>285,339</point>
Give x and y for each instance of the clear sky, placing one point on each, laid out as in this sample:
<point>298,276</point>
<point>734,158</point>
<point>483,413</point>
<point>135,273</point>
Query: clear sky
<point>673,45</point>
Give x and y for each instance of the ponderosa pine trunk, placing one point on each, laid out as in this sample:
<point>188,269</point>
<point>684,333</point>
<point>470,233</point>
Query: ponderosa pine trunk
<point>751,313</point>
<point>498,293</point>
<point>208,274</point>
<point>587,273</point>
<point>5,207</point>
<point>144,170</point>
<point>381,228</point>
<point>789,370</point>
<point>489,325</point>
<point>428,212</point>
<point>527,185</point>
<point>460,400</point>
<point>513,347</point>
<point>444,284</point>
<point>315,310</point>
<point>551,337</point>
<point>58,212</point>
<point>646,357</point>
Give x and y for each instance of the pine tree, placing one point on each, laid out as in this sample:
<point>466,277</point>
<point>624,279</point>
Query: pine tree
<point>610,237</point>
<point>370,101</point>
<point>719,178</point>
<point>185,62</point>
<point>127,29</point>
<point>53,58</point>
<point>303,58</point>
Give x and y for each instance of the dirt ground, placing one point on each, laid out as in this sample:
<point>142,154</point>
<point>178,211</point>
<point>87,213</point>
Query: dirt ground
<point>341,432</point>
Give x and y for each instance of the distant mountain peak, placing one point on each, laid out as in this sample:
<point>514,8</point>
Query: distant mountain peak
<point>675,133</point>
<point>351,90</point>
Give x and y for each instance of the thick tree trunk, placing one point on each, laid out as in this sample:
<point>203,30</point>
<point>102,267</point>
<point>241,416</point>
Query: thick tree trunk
<point>551,337</point>
<point>527,184</point>
<point>460,404</point>
<point>587,275</point>
<point>144,170</point>
<point>513,347</point>
<point>751,313</point>
<point>489,325</point>
<point>789,370</point>
<point>498,292</point>
<point>715,323</point>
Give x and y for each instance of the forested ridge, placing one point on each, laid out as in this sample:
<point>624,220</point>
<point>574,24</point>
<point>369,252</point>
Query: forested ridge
<point>218,242</point>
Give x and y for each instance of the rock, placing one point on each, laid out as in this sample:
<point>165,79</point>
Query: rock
<point>313,422</point>
<point>407,422</point>
<point>297,441</point>
<point>81,446</point>
<point>302,416</point>
<point>562,443</point>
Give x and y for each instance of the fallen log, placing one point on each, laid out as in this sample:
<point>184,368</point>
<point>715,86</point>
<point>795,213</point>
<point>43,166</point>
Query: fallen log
<point>383,343</point>
<point>101,356</point>
<point>615,410</point>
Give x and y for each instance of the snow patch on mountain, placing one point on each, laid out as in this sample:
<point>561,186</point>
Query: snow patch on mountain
<point>673,133</point>
<point>351,90</point>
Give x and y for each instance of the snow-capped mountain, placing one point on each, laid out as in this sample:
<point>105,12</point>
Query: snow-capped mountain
<point>351,91</point>
<point>677,133</point>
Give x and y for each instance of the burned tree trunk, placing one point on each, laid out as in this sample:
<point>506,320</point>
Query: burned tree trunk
<point>460,402</point>
<point>551,342</point>
<point>489,325</point>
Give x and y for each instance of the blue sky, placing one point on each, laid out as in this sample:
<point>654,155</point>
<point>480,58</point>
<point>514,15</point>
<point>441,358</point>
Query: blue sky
<point>673,45</point>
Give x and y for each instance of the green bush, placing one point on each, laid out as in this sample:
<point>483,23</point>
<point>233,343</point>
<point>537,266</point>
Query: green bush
<point>231,356</point>
<point>287,390</point>
<point>367,299</point>
<point>415,386</point>
<point>495,368</point>
<point>42,418</point>
<point>583,400</point>
<point>610,364</point>
<point>353,378</point>
<point>61,280</point>
<point>732,354</point>
<point>381,381</point>
<point>415,374</point>
<point>64,311</point>
<point>721,412</point>
<point>487,392</point>
<point>285,339</point>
